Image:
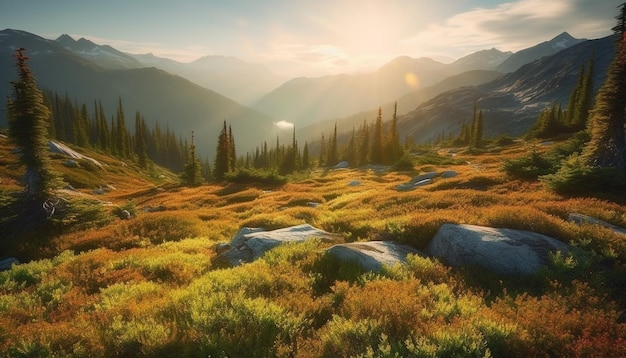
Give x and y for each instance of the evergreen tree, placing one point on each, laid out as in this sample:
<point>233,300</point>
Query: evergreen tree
<point>140,141</point>
<point>333,155</point>
<point>394,149</point>
<point>28,129</point>
<point>231,148</point>
<point>377,155</point>
<point>121,132</point>
<point>322,159</point>
<point>222,162</point>
<point>306,161</point>
<point>607,146</point>
<point>477,131</point>
<point>80,126</point>
<point>192,173</point>
<point>364,144</point>
<point>350,154</point>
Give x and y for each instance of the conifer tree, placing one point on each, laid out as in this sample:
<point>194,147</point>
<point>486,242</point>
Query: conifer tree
<point>350,154</point>
<point>607,146</point>
<point>192,173</point>
<point>394,149</point>
<point>476,138</point>
<point>28,129</point>
<point>364,144</point>
<point>333,155</point>
<point>322,159</point>
<point>306,161</point>
<point>140,141</point>
<point>121,132</point>
<point>377,155</point>
<point>231,149</point>
<point>222,162</point>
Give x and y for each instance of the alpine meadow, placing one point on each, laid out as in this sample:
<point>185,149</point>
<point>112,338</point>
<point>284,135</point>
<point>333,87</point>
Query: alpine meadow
<point>321,200</point>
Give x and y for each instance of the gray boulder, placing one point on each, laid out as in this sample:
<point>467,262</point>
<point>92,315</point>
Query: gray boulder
<point>373,255</point>
<point>7,263</point>
<point>422,177</point>
<point>503,251</point>
<point>251,243</point>
<point>581,219</point>
<point>448,174</point>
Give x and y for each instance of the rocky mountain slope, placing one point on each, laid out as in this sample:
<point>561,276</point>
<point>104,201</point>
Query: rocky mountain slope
<point>160,96</point>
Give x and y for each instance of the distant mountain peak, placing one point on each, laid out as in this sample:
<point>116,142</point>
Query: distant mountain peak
<point>65,40</point>
<point>563,40</point>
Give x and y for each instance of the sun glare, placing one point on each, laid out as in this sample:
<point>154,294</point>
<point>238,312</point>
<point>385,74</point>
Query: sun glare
<point>411,80</point>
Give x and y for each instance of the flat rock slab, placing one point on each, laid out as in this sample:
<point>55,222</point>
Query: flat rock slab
<point>373,255</point>
<point>61,148</point>
<point>251,243</point>
<point>581,219</point>
<point>504,251</point>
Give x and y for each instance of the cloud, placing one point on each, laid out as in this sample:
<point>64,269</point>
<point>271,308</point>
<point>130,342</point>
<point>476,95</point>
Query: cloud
<point>284,125</point>
<point>510,26</point>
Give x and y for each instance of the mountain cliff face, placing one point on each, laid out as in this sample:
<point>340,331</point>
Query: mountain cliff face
<point>160,96</point>
<point>547,48</point>
<point>104,56</point>
<point>511,103</point>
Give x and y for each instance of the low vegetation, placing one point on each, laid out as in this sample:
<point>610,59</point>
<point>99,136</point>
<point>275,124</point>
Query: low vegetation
<point>149,286</point>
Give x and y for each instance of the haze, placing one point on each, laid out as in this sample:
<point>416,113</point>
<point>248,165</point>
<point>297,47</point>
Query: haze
<point>312,38</point>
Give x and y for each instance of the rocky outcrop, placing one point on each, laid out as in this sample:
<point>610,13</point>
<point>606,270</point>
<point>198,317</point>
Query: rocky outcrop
<point>61,148</point>
<point>581,219</point>
<point>251,243</point>
<point>373,255</point>
<point>425,179</point>
<point>503,251</point>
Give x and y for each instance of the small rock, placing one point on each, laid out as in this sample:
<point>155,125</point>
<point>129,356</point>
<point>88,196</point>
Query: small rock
<point>429,175</point>
<point>341,165</point>
<point>125,215</point>
<point>581,219</point>
<point>423,182</point>
<point>313,204</point>
<point>71,163</point>
<point>448,174</point>
<point>354,183</point>
<point>7,263</point>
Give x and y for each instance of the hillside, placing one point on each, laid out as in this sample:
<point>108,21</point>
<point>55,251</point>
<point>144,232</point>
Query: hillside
<point>160,96</point>
<point>151,285</point>
<point>510,103</point>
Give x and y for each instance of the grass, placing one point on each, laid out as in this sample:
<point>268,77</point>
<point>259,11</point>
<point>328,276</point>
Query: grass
<point>147,286</point>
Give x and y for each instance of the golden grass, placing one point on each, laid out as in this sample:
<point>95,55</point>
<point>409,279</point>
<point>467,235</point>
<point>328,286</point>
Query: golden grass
<point>147,285</point>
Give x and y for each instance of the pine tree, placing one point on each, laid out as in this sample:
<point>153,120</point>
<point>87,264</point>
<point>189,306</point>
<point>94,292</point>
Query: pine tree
<point>476,140</point>
<point>364,144</point>
<point>306,161</point>
<point>377,155</point>
<point>140,141</point>
<point>28,129</point>
<point>231,150</point>
<point>333,155</point>
<point>322,159</point>
<point>607,146</point>
<point>350,154</point>
<point>192,173</point>
<point>394,149</point>
<point>222,162</point>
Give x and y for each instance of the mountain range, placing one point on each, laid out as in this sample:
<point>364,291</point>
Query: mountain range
<point>193,96</point>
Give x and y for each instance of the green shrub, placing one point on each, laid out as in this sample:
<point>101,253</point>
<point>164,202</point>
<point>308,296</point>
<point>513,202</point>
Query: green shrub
<point>251,176</point>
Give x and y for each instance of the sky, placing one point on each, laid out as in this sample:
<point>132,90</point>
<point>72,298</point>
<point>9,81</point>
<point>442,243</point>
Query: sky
<point>312,37</point>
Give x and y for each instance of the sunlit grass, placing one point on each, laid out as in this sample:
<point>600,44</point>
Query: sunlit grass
<point>147,286</point>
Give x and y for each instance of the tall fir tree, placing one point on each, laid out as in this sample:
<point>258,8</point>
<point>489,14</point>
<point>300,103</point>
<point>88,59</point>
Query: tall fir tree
<point>394,148</point>
<point>607,125</point>
<point>333,155</point>
<point>28,129</point>
<point>222,161</point>
<point>192,173</point>
<point>377,152</point>
<point>141,139</point>
<point>364,144</point>
<point>306,161</point>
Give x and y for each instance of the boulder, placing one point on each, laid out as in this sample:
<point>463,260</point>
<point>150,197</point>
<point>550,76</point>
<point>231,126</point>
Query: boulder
<point>372,255</point>
<point>448,174</point>
<point>354,183</point>
<point>503,251</point>
<point>341,165</point>
<point>61,148</point>
<point>7,263</point>
<point>423,182</point>
<point>421,177</point>
<point>581,219</point>
<point>251,243</point>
